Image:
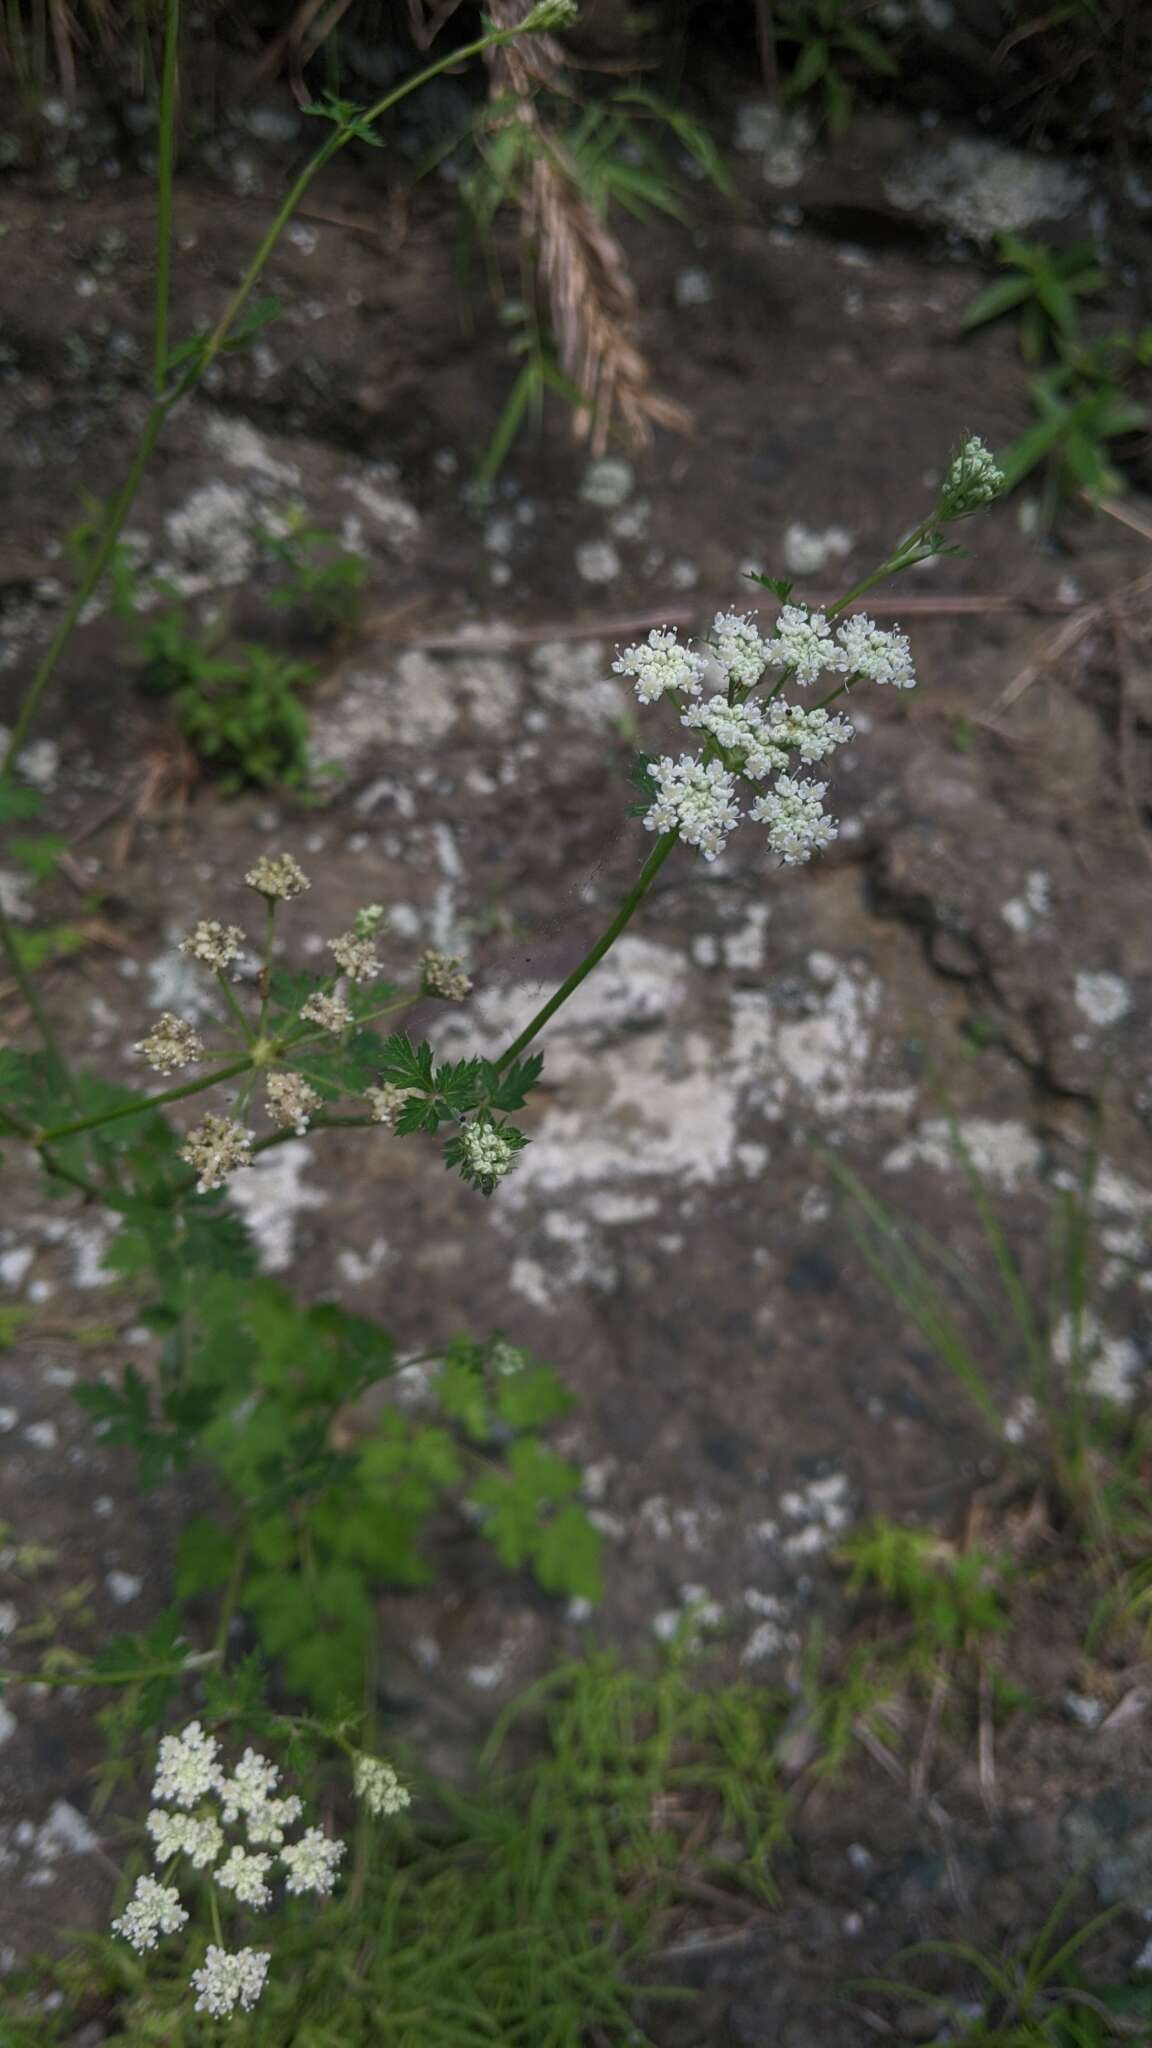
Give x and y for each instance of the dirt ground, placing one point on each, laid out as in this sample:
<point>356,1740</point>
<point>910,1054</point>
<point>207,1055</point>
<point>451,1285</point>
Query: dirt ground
<point>977,943</point>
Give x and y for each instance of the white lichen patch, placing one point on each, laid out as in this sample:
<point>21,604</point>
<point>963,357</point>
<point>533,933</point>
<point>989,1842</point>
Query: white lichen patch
<point>1102,998</point>
<point>213,537</point>
<point>981,188</point>
<point>1110,1367</point>
<point>669,1522</point>
<point>16,895</point>
<point>822,1509</point>
<point>124,1587</point>
<point>239,444</point>
<point>396,519</point>
<point>572,677</point>
<point>807,552</point>
<point>1032,906</point>
<point>273,1196</point>
<point>822,1061</point>
<point>608,482</point>
<point>1005,1153</point>
<point>780,136</point>
<point>597,561</point>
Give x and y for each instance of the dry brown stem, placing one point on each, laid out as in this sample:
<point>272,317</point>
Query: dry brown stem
<point>593,302</point>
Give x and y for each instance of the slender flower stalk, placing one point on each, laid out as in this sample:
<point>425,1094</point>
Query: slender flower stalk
<point>146,1102</point>
<point>595,954</point>
<point>164,179</point>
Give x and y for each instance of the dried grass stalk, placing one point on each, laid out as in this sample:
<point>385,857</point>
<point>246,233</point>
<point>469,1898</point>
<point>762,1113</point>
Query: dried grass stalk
<point>593,301</point>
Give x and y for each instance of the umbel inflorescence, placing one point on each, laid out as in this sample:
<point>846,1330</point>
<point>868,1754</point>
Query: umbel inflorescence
<point>764,710</point>
<point>756,741</point>
<point>231,1829</point>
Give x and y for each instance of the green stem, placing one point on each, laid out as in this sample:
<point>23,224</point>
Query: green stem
<point>182,1670</point>
<point>59,1065</point>
<point>101,556</point>
<point>266,970</point>
<point>233,1005</point>
<point>110,1116</point>
<point>164,195</point>
<point>592,958</point>
<point>214,1909</point>
<point>905,557</point>
<point>71,1175</point>
<point>231,1597</point>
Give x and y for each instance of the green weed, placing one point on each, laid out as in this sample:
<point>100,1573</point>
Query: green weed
<point>1034,1997</point>
<point>1082,396</point>
<point>830,47</point>
<point>1040,292</point>
<point>952,1597</point>
<point>324,582</point>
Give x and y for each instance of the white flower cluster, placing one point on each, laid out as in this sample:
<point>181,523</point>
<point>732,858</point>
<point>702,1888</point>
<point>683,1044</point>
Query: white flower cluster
<point>216,1147</point>
<point>356,957</point>
<point>797,825</point>
<point>696,799</point>
<point>171,1044</point>
<point>376,1784</point>
<point>278,876</point>
<point>659,664</point>
<point>330,1012</point>
<point>225,1981</point>
<point>213,943</point>
<point>442,975</point>
<point>154,1909</point>
<point>290,1102</point>
<point>739,649</point>
<point>203,1799</point>
<point>386,1100</point>
<point>762,740</point>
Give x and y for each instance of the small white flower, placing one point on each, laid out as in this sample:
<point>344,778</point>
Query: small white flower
<point>376,1783</point>
<point>488,1155</point>
<point>803,643</point>
<point>171,1044</point>
<point>311,1862</point>
<point>794,814</point>
<point>659,664</point>
<point>266,1823</point>
<point>216,1147</point>
<point>869,651</point>
<point>290,1102</point>
<point>739,648</point>
<point>278,877</point>
<point>213,943</point>
<point>186,1766</point>
<point>356,957</point>
<point>251,1784</point>
<point>444,976</point>
<point>696,799</point>
<point>386,1100</point>
<point>246,1875</point>
<point>225,1981</point>
<point>154,1909</point>
<point>507,1359</point>
<point>327,1011</point>
<point>811,734</point>
<point>181,1834</point>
